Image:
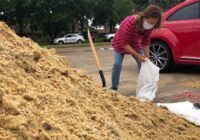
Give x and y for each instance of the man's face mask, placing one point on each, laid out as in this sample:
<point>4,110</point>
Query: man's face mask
<point>147,26</point>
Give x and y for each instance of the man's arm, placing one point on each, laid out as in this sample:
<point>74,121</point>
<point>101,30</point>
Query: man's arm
<point>146,42</point>
<point>129,49</point>
<point>146,50</point>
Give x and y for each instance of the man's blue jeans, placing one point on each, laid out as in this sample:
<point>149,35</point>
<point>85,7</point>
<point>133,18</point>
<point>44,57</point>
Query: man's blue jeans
<point>117,66</point>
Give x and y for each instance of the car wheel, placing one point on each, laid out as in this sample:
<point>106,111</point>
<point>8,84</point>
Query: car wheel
<point>79,41</point>
<point>161,56</point>
<point>111,39</point>
<point>60,43</point>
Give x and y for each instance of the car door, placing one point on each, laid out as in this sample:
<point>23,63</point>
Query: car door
<point>68,38</point>
<point>197,34</point>
<point>74,39</point>
<point>182,24</point>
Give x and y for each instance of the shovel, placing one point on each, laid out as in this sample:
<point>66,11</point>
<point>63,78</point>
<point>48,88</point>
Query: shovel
<point>97,59</point>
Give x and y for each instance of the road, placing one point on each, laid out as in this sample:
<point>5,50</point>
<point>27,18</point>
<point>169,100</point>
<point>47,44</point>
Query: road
<point>180,85</point>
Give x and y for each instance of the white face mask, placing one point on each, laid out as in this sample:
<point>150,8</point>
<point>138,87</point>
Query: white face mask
<point>147,25</point>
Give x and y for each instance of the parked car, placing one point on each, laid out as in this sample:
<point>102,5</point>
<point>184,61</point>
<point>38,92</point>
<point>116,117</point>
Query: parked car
<point>70,38</point>
<point>109,37</point>
<point>178,41</point>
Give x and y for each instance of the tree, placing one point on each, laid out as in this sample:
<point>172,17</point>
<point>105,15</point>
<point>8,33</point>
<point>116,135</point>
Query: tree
<point>50,16</point>
<point>17,13</point>
<point>164,4</point>
<point>141,4</point>
<point>80,12</point>
<point>4,7</point>
<point>56,17</point>
<point>111,12</point>
<point>121,9</point>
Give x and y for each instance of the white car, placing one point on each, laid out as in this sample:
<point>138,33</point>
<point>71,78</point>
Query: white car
<point>69,38</point>
<point>109,37</point>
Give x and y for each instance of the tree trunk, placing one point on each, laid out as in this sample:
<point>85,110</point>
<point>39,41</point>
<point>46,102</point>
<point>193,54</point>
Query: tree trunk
<point>82,24</point>
<point>74,25</point>
<point>111,26</point>
<point>21,28</point>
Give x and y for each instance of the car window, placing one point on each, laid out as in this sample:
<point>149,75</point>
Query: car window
<point>74,35</point>
<point>199,10</point>
<point>188,12</point>
<point>68,36</point>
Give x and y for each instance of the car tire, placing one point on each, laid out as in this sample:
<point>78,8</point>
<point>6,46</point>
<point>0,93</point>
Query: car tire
<point>60,42</point>
<point>160,55</point>
<point>79,41</point>
<point>111,39</point>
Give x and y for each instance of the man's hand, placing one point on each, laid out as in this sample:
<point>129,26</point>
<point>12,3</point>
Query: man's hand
<point>141,57</point>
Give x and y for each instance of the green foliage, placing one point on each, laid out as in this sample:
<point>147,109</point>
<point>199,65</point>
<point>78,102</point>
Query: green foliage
<point>164,4</point>
<point>57,17</point>
<point>111,12</point>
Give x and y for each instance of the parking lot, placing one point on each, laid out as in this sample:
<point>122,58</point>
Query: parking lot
<point>180,85</point>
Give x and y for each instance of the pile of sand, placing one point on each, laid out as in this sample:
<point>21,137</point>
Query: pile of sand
<point>41,97</point>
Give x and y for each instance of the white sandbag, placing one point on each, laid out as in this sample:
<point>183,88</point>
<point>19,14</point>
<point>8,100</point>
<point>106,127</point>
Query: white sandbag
<point>185,110</point>
<point>147,81</point>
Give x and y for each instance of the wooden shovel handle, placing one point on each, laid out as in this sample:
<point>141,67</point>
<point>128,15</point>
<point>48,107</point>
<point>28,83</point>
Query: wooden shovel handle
<point>94,51</point>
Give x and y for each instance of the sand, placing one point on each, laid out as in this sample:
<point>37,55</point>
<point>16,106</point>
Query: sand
<point>42,98</point>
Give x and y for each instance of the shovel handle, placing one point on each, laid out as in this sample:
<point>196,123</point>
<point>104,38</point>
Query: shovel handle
<point>94,51</point>
<point>97,59</point>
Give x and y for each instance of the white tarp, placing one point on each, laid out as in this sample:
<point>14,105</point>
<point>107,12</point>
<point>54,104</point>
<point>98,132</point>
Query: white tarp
<point>185,110</point>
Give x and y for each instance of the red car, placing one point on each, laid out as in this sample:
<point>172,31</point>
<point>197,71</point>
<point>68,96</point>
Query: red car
<point>178,41</point>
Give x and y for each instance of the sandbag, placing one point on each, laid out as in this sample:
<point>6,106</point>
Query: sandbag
<point>147,81</point>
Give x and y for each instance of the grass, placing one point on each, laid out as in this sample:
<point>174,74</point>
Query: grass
<point>74,45</point>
